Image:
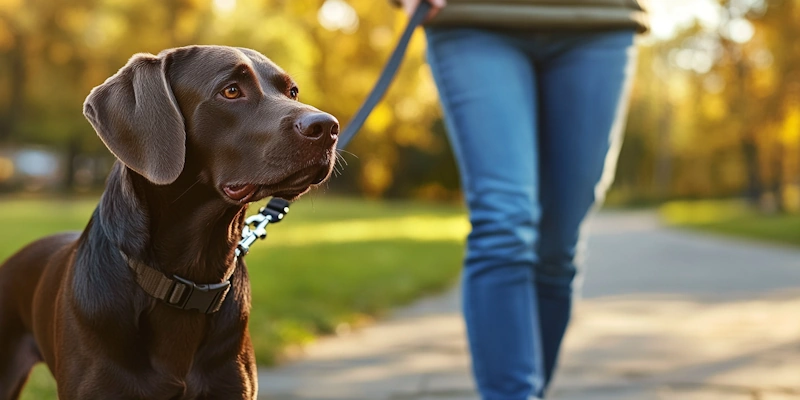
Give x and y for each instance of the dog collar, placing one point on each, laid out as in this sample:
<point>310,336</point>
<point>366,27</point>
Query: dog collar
<point>179,292</point>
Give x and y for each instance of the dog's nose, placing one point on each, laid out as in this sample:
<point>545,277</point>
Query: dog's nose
<point>318,126</point>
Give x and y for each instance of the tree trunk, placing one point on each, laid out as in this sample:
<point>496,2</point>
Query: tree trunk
<point>754,186</point>
<point>16,92</point>
<point>73,149</point>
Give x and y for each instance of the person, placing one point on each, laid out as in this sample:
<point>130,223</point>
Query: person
<point>534,94</point>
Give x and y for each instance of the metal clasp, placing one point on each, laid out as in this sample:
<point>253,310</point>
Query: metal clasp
<point>255,226</point>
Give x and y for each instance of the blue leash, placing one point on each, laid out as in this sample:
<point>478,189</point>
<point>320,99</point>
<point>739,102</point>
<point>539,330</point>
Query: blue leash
<point>277,208</point>
<point>386,77</point>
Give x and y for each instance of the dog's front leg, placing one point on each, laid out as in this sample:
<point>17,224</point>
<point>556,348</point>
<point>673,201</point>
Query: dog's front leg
<point>236,378</point>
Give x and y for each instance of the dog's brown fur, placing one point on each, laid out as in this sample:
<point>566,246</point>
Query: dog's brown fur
<point>171,202</point>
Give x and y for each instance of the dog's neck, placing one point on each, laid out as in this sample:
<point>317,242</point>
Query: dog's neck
<point>184,229</point>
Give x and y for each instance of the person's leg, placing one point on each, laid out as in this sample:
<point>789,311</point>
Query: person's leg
<point>584,87</point>
<point>487,90</point>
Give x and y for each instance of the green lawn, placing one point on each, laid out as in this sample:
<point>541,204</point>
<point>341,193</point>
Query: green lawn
<point>332,264</point>
<point>733,218</point>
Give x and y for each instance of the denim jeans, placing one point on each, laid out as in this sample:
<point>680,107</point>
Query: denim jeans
<point>535,122</point>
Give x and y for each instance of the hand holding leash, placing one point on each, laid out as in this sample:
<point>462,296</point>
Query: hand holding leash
<point>409,6</point>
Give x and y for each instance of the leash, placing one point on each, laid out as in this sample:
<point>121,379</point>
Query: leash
<point>386,76</point>
<point>276,209</point>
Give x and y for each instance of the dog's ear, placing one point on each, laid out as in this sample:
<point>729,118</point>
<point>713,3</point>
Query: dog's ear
<point>135,114</point>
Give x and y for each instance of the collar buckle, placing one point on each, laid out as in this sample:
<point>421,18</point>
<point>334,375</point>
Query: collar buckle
<point>187,295</point>
<point>176,291</point>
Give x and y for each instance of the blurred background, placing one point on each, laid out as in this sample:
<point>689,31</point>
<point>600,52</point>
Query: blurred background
<point>712,141</point>
<point>715,112</point>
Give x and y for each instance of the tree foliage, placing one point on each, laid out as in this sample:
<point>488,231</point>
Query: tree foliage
<point>53,53</point>
<point>715,109</point>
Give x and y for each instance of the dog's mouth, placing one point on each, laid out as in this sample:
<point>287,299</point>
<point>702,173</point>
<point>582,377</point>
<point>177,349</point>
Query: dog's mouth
<point>288,188</point>
<point>240,193</point>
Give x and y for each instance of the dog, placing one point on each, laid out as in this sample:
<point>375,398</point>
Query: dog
<point>150,301</point>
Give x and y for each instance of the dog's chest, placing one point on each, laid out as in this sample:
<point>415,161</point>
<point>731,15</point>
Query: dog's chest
<point>174,338</point>
<point>180,354</point>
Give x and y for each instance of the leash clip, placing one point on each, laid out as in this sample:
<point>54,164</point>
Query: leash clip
<point>255,226</point>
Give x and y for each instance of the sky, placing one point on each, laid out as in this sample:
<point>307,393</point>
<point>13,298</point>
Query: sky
<point>667,17</point>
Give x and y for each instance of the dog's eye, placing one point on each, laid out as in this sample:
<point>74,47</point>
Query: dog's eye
<point>232,92</point>
<point>293,92</point>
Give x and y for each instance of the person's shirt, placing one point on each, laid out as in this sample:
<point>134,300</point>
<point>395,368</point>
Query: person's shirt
<point>543,14</point>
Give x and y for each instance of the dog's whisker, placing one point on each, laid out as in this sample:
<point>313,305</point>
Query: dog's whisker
<point>339,151</point>
<point>311,196</point>
<point>186,191</point>
<point>340,161</point>
<point>336,171</point>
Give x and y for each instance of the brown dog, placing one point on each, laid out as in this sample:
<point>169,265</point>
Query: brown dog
<point>199,132</point>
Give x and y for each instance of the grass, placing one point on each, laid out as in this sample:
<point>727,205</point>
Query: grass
<point>334,264</point>
<point>733,218</point>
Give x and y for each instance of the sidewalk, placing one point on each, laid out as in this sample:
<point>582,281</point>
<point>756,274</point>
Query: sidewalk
<point>665,315</point>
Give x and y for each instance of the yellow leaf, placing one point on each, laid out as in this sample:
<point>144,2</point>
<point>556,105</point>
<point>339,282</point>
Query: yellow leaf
<point>379,120</point>
<point>790,132</point>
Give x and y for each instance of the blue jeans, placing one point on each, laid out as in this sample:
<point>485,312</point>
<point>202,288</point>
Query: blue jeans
<point>535,122</point>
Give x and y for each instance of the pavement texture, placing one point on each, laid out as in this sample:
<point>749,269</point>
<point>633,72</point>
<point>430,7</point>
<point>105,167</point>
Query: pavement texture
<point>664,314</point>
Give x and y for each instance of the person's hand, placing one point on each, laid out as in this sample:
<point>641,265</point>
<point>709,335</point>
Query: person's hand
<point>410,5</point>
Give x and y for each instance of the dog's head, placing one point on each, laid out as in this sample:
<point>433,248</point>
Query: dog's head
<point>229,115</point>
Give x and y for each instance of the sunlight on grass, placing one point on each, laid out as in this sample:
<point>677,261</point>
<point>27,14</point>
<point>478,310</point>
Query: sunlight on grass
<point>419,227</point>
<point>40,386</point>
<point>733,218</point>
<point>701,211</point>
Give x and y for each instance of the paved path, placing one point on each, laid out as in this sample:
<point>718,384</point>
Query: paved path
<point>665,314</point>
